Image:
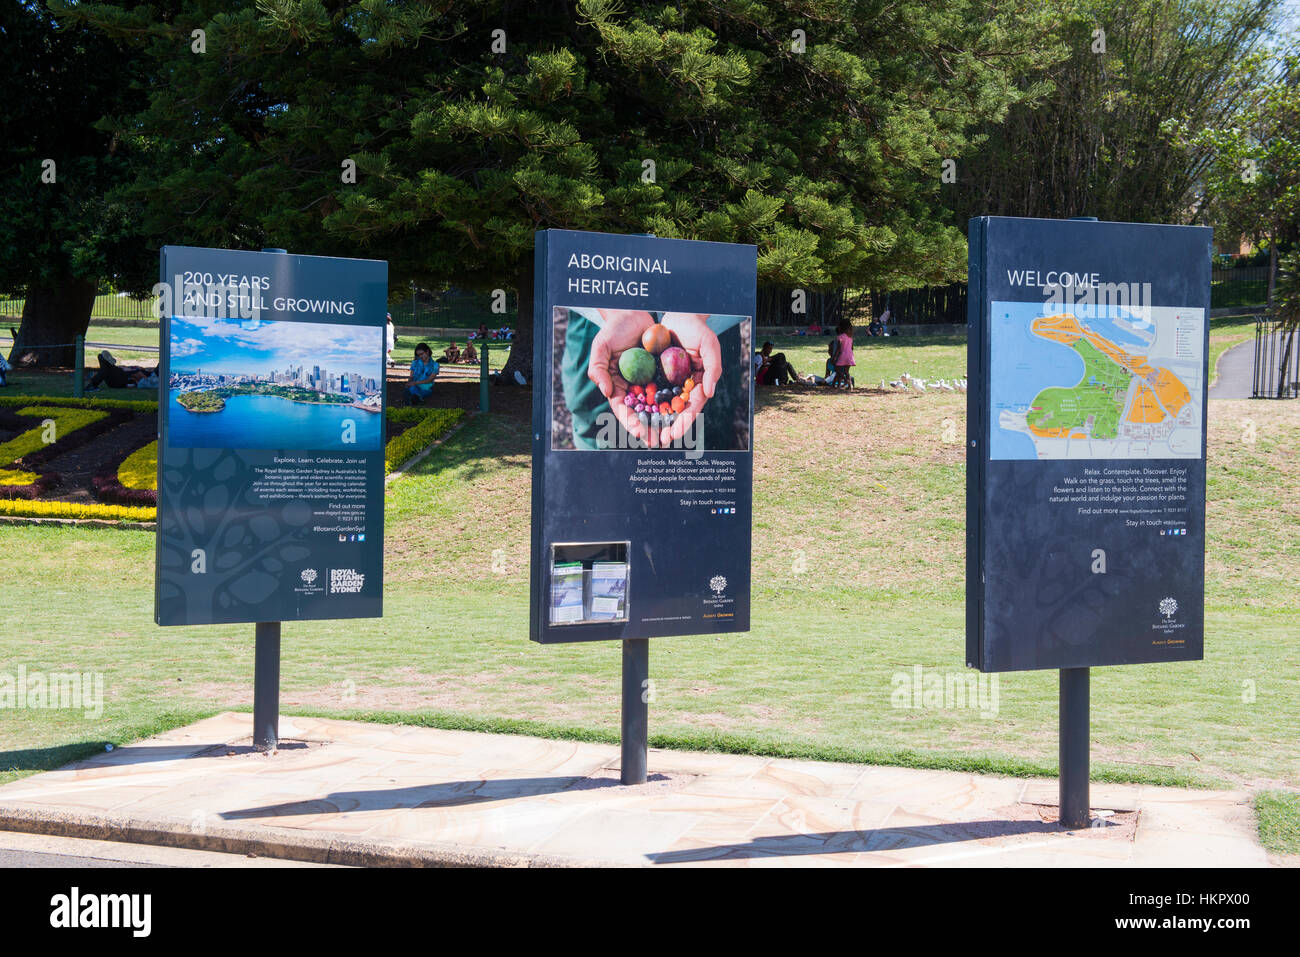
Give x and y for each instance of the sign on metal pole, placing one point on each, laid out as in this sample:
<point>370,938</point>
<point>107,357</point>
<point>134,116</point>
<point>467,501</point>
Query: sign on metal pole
<point>271,437</point>
<point>642,468</point>
<point>1088,347</point>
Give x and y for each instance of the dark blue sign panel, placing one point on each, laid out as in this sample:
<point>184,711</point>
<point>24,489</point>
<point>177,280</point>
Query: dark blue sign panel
<point>270,437</point>
<point>1086,456</point>
<point>642,419</point>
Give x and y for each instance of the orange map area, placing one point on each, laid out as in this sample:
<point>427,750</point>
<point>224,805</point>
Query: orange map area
<point>1160,393</point>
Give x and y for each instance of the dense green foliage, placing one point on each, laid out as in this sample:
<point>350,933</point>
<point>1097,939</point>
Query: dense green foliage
<point>1252,187</point>
<point>1111,139</point>
<point>473,124</point>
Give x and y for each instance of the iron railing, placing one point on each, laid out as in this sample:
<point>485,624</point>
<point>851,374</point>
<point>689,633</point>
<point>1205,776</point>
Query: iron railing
<point>1277,360</point>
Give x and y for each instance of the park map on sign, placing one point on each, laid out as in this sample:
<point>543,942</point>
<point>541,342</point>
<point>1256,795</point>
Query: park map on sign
<point>1095,381</point>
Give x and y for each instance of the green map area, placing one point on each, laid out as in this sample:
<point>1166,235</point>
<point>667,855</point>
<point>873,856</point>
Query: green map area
<point>1099,394</point>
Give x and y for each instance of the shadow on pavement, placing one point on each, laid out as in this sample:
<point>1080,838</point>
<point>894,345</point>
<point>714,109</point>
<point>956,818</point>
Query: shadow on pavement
<point>446,794</point>
<point>853,842</point>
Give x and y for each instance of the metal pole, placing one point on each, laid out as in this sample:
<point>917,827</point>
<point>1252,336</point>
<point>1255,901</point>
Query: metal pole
<point>636,713</point>
<point>483,377</point>
<point>79,362</point>
<point>1074,747</point>
<point>266,686</point>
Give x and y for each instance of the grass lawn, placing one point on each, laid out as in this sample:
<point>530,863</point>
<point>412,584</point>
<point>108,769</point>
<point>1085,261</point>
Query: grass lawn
<point>858,578</point>
<point>1279,821</point>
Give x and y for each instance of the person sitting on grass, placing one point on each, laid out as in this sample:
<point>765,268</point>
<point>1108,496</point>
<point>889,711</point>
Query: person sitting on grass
<point>451,354</point>
<point>469,355</point>
<point>116,376</point>
<point>423,371</point>
<point>774,369</point>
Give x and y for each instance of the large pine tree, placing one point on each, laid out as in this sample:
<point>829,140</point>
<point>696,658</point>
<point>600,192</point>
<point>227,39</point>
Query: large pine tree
<point>60,231</point>
<point>816,130</point>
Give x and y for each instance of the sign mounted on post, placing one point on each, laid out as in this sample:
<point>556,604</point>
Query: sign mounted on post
<point>270,437</point>
<point>1086,457</point>
<point>642,412</point>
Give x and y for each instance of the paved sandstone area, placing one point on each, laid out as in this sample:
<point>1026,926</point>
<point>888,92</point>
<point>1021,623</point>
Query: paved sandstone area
<point>347,792</point>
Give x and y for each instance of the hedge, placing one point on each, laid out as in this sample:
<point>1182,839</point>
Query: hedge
<point>432,424</point>
<point>128,405</point>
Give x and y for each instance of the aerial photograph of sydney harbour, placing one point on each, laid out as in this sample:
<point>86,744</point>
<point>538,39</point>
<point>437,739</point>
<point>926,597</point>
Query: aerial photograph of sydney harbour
<point>273,384</point>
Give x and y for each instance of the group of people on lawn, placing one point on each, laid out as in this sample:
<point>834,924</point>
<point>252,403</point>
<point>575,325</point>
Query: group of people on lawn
<point>425,368</point>
<point>769,368</point>
<point>775,369</point>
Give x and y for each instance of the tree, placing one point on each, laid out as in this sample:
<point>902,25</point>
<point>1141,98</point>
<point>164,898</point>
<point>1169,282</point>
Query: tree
<point>62,232</point>
<point>1287,310</point>
<point>1252,186</point>
<point>1108,141</point>
<point>815,130</point>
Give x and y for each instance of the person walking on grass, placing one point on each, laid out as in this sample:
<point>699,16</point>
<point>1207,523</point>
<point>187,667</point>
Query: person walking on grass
<point>423,371</point>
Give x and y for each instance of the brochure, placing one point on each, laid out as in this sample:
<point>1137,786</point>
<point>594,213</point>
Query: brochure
<point>566,593</point>
<point>608,591</point>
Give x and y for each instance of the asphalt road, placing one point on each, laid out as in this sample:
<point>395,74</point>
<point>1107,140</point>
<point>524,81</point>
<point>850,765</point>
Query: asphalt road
<point>1237,369</point>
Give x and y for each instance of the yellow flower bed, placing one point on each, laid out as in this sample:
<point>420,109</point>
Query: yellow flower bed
<point>115,513</point>
<point>140,469</point>
<point>66,421</point>
<point>11,477</point>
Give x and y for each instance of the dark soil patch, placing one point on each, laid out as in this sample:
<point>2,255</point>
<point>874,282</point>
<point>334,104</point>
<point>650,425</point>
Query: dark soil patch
<point>79,466</point>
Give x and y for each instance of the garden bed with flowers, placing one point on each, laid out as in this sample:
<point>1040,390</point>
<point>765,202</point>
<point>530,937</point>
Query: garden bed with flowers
<point>98,458</point>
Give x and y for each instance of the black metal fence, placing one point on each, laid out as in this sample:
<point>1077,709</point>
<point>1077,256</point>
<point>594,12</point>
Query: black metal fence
<point>1240,286</point>
<point>108,305</point>
<point>1277,360</point>
<point>454,309</point>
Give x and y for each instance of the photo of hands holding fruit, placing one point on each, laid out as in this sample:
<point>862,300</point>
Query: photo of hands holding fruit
<point>658,374</point>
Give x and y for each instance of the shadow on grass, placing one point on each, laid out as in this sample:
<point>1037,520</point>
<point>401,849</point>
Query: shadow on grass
<point>56,382</point>
<point>794,397</point>
<point>24,761</point>
<point>47,759</point>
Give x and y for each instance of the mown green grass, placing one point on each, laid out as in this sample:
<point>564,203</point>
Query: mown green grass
<point>1278,813</point>
<point>858,580</point>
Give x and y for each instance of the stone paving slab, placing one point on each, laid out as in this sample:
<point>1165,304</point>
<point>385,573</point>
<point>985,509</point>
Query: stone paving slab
<point>356,793</point>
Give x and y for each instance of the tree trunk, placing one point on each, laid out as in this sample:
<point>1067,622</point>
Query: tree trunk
<point>53,316</point>
<point>1272,268</point>
<point>1283,386</point>
<point>521,346</point>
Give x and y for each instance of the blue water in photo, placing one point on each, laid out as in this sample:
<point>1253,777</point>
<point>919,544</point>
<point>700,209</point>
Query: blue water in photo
<point>270,422</point>
<point>1022,365</point>
<point>1105,326</point>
